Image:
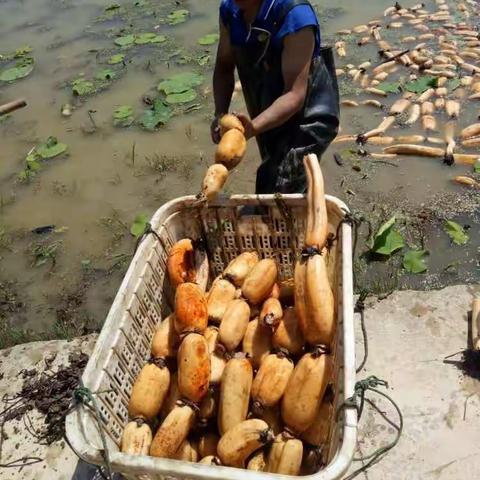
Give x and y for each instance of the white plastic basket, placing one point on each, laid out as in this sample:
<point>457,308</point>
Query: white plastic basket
<point>145,297</point>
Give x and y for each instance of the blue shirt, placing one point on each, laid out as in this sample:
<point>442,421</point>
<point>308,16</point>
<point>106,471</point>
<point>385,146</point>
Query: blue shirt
<point>301,16</point>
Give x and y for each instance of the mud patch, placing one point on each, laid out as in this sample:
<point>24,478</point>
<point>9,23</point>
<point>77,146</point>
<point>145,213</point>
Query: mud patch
<point>50,393</point>
<point>420,310</point>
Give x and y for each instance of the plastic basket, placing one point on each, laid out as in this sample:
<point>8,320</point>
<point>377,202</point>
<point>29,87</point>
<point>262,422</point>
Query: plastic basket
<point>145,297</point>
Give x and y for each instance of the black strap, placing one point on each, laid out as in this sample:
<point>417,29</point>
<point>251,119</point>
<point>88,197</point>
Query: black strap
<point>285,10</point>
<point>281,14</point>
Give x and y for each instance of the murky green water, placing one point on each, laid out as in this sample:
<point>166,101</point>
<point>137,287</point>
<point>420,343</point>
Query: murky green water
<point>113,174</point>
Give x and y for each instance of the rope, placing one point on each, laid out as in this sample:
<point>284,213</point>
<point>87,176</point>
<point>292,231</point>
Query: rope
<point>360,308</point>
<point>357,401</point>
<point>83,395</point>
<point>148,230</point>
<point>355,221</point>
<point>22,462</point>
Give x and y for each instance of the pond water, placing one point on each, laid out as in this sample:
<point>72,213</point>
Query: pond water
<point>66,279</point>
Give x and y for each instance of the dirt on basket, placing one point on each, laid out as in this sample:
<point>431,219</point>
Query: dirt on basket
<point>51,394</point>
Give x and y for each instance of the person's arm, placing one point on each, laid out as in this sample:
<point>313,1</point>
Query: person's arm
<point>296,59</point>
<point>223,79</point>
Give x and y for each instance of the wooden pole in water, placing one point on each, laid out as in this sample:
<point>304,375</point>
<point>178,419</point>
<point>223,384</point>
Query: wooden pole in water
<point>12,106</point>
<point>476,323</point>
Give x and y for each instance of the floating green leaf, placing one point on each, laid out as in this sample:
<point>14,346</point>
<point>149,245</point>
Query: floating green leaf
<point>123,116</point>
<point>114,59</point>
<point>389,87</point>
<point>456,232</point>
<point>105,74</point>
<point>180,83</point>
<point>22,68</point>
<point>414,261</point>
<point>476,166</point>
<point>183,97</point>
<point>123,111</point>
<point>159,115</point>
<point>26,175</point>
<point>209,39</point>
<point>453,84</point>
<point>82,87</point>
<point>22,51</point>
<point>422,84</point>
<point>125,40</point>
<point>139,225</point>
<point>32,162</point>
<point>177,16</point>
<point>144,38</point>
<point>387,240</point>
<point>51,148</point>
<point>203,60</point>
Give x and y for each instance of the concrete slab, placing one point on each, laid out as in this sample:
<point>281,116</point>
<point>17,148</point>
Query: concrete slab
<point>410,333</point>
<point>59,462</point>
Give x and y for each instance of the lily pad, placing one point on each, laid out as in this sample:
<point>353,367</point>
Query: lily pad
<point>26,175</point>
<point>414,261</point>
<point>114,59</point>
<point>22,51</point>
<point>123,116</point>
<point>209,39</point>
<point>422,84</point>
<point>32,162</point>
<point>456,232</point>
<point>387,240</point>
<point>22,69</point>
<point>183,97</point>
<point>177,16</point>
<point>106,74</point>
<point>139,225</point>
<point>123,111</point>
<point>125,40</point>
<point>51,148</point>
<point>157,116</point>
<point>180,83</point>
<point>82,87</point>
<point>203,60</point>
<point>389,87</point>
<point>476,166</point>
<point>144,38</point>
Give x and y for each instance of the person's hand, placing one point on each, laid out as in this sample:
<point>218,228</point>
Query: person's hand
<point>215,130</point>
<point>248,125</point>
